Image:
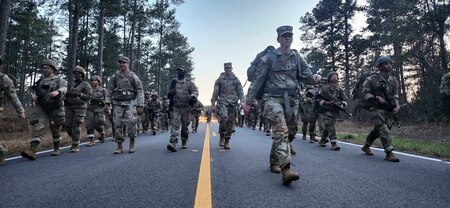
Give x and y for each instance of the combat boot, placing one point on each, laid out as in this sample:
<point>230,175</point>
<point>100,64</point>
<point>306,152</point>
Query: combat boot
<point>31,153</point>
<point>366,150</point>
<point>184,144</point>
<point>275,168</point>
<point>75,148</point>
<point>119,149</point>
<point>132,145</point>
<point>391,157</point>
<point>172,146</point>
<point>288,175</point>
<point>91,142</point>
<point>222,140</point>
<point>334,146</point>
<point>102,138</point>
<point>293,152</point>
<point>304,137</point>
<point>323,141</point>
<point>56,151</point>
<point>227,143</point>
<point>312,139</point>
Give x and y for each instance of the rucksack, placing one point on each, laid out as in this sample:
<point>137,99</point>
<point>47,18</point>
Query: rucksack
<point>357,94</point>
<point>254,64</point>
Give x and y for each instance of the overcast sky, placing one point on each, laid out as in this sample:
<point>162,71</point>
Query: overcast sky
<point>234,31</point>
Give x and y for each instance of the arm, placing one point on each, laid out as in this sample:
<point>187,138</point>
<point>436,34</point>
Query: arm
<point>215,95</point>
<point>239,91</point>
<point>139,91</point>
<point>10,92</point>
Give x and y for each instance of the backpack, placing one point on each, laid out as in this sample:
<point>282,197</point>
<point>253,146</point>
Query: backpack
<point>357,94</point>
<point>254,64</point>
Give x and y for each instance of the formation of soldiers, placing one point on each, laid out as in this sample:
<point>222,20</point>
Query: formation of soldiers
<point>276,96</point>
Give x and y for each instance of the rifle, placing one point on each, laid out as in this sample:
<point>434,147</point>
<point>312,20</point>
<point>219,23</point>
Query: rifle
<point>335,105</point>
<point>97,101</point>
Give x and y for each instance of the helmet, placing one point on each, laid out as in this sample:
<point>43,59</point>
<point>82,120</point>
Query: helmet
<point>96,77</point>
<point>164,98</point>
<point>382,59</point>
<point>155,94</point>
<point>330,74</point>
<point>80,69</point>
<point>50,63</point>
<point>147,93</point>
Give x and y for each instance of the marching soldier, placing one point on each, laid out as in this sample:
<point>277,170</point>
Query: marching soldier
<point>48,93</point>
<point>7,90</point>
<point>196,112</point>
<point>126,95</point>
<point>76,104</point>
<point>309,116</point>
<point>164,114</point>
<point>227,92</point>
<point>154,107</point>
<point>277,77</point>
<point>95,115</point>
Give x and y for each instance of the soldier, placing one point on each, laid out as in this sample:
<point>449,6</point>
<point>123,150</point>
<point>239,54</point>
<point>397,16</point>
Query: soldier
<point>227,92</point>
<point>8,90</point>
<point>381,90</point>
<point>277,77</point>
<point>164,121</point>
<point>145,118</point>
<point>309,116</point>
<point>76,103</point>
<point>125,94</point>
<point>48,93</point>
<point>95,115</point>
<point>254,114</point>
<point>196,112</point>
<point>329,96</point>
<point>183,94</point>
<point>154,107</point>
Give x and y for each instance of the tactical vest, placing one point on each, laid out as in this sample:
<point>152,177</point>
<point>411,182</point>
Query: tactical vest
<point>124,87</point>
<point>42,88</point>
<point>280,66</point>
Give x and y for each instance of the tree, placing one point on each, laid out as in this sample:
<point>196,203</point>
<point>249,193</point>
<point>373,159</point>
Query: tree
<point>5,7</point>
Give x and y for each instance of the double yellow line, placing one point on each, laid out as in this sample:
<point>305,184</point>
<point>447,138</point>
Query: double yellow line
<point>203,196</point>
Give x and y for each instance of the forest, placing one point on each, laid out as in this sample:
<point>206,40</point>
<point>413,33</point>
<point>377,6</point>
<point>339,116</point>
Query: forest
<point>93,33</point>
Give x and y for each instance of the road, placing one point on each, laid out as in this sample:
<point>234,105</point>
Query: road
<point>239,177</point>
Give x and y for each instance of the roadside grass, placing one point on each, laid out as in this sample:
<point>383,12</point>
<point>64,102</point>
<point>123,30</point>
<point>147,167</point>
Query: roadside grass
<point>417,146</point>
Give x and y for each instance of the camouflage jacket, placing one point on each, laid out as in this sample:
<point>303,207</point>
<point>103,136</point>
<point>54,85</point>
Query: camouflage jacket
<point>82,87</point>
<point>125,84</point>
<point>154,105</point>
<point>197,108</point>
<point>97,99</point>
<point>8,90</point>
<point>44,86</point>
<point>185,89</point>
<point>377,85</point>
<point>335,95</point>
<point>283,74</point>
<point>227,90</point>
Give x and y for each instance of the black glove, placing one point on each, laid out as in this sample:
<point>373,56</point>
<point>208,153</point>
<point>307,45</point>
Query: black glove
<point>192,101</point>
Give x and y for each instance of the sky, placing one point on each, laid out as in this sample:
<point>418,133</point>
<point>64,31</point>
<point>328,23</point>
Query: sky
<point>234,31</point>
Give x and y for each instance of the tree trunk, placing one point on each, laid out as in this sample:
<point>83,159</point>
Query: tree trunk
<point>73,37</point>
<point>101,22</point>
<point>5,8</point>
<point>347,55</point>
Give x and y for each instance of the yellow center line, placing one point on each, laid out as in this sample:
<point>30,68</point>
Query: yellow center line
<point>203,195</point>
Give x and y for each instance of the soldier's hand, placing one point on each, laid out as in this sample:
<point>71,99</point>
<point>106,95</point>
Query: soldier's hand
<point>34,97</point>
<point>54,93</point>
<point>108,110</point>
<point>213,108</point>
<point>22,115</point>
<point>140,110</point>
<point>316,78</point>
<point>396,109</point>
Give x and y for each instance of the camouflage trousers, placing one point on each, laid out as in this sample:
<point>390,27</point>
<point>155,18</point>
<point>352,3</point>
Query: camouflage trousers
<point>74,118</point>
<point>227,117</point>
<point>380,120</point>
<point>284,123</point>
<point>95,120</point>
<point>195,121</point>
<point>154,118</point>
<point>253,119</point>
<point>309,126</point>
<point>327,126</point>
<point>124,117</point>
<point>179,119</point>
<point>164,119</point>
<point>39,120</point>
<point>144,119</point>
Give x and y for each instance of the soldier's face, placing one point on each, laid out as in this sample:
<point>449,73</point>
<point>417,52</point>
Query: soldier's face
<point>228,70</point>
<point>46,70</point>
<point>123,66</point>
<point>95,82</point>
<point>385,67</point>
<point>78,75</point>
<point>334,79</point>
<point>285,39</point>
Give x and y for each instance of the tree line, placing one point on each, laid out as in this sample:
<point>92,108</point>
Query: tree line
<point>413,32</point>
<point>93,34</point>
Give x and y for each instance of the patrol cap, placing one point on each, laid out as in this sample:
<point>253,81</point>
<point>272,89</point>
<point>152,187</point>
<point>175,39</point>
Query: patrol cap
<point>124,59</point>
<point>382,59</point>
<point>228,65</point>
<point>50,63</point>
<point>180,69</point>
<point>284,29</point>
<point>80,69</point>
<point>96,77</point>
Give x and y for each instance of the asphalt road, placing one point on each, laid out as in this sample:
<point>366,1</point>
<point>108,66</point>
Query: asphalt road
<point>240,177</point>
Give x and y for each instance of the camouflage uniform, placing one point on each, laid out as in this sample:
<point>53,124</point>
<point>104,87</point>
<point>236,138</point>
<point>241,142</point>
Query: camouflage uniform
<point>7,90</point>
<point>145,118</point>
<point>76,103</point>
<point>185,93</point>
<point>227,92</point>
<point>196,112</point>
<point>386,87</point>
<point>309,114</point>
<point>164,114</point>
<point>125,94</point>
<point>278,77</point>
<point>154,107</point>
<point>253,115</point>
<point>328,114</point>
<point>48,111</point>
<point>95,115</point>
